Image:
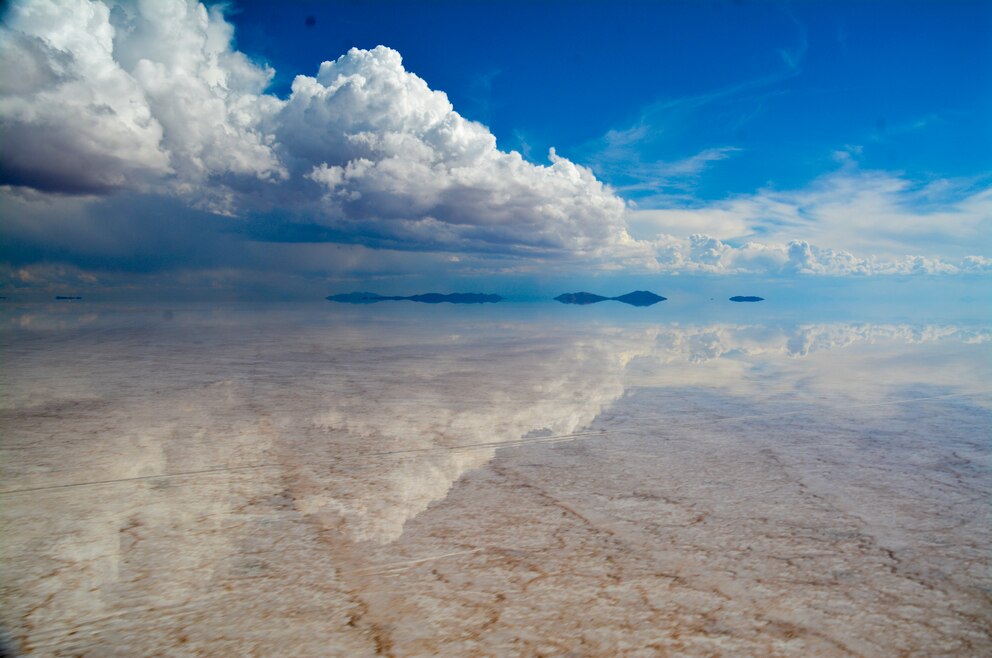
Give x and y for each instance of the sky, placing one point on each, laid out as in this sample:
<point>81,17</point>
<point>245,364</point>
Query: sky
<point>301,148</point>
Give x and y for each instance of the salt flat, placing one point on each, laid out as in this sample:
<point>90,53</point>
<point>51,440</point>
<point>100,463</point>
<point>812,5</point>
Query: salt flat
<point>292,480</point>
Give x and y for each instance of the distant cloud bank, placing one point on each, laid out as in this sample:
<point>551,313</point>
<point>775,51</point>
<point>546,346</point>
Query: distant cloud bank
<point>150,101</point>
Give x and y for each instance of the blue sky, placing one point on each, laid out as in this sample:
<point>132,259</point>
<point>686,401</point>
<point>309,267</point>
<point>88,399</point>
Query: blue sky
<point>169,145</point>
<point>787,84</point>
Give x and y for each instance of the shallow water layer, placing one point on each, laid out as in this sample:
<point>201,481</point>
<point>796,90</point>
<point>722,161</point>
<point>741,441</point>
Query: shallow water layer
<point>292,480</point>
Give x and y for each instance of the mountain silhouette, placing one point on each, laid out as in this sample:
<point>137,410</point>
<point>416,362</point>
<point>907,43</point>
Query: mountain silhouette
<point>636,298</point>
<point>640,298</point>
<point>747,298</point>
<point>426,298</point>
<point>580,298</point>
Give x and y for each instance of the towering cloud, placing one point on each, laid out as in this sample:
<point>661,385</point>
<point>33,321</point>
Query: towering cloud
<point>393,158</point>
<point>143,96</point>
<point>72,119</point>
<point>151,96</point>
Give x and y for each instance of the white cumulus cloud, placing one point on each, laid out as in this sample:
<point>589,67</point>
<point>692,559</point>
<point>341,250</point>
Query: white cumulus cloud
<point>394,159</point>
<point>885,219</point>
<point>152,96</point>
<point>701,253</point>
<point>130,96</point>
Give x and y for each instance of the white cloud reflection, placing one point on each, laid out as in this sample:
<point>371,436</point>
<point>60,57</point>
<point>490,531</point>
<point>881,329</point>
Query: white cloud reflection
<point>373,424</point>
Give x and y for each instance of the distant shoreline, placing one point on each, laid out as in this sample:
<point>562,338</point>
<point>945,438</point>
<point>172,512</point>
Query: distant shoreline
<point>641,298</point>
<point>426,298</point>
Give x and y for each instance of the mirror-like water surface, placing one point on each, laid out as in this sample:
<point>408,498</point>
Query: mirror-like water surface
<point>298,480</point>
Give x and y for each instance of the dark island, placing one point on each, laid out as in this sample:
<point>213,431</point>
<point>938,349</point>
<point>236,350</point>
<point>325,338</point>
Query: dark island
<point>640,298</point>
<point>427,298</point>
<point>747,298</point>
<point>636,298</point>
<point>580,298</point>
<point>65,297</point>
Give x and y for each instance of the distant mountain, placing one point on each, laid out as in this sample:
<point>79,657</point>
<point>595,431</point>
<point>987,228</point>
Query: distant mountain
<point>454,298</point>
<point>427,298</point>
<point>357,298</point>
<point>64,297</point>
<point>747,298</point>
<point>640,298</point>
<point>581,298</point>
<point>636,298</point>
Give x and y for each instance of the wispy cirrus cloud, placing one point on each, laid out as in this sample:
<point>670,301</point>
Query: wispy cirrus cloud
<point>622,163</point>
<point>650,156</point>
<point>637,159</point>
